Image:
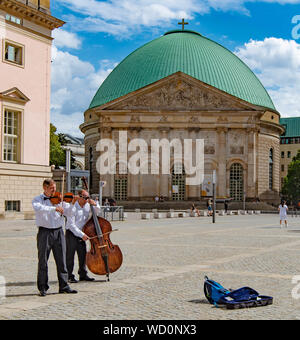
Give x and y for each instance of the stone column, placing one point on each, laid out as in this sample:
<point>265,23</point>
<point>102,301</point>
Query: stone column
<point>194,190</point>
<point>134,181</point>
<point>221,156</point>
<point>252,154</point>
<point>108,190</point>
<point>163,180</point>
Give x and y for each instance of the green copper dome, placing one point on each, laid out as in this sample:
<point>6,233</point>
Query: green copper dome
<point>190,53</point>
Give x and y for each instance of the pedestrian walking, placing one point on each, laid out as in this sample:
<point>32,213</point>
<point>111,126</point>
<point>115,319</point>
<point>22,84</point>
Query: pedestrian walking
<point>283,209</point>
<point>226,206</point>
<point>209,207</point>
<point>194,209</point>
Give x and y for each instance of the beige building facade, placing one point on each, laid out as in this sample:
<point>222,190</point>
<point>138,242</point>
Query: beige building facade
<point>25,68</point>
<point>289,144</point>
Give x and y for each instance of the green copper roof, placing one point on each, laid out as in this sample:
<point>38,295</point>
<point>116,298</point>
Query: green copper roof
<point>190,53</point>
<point>292,126</point>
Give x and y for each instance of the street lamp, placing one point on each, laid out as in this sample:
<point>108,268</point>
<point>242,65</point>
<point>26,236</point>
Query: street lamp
<point>68,169</point>
<point>214,196</point>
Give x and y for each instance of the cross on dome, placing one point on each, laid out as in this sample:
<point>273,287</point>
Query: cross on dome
<point>183,23</point>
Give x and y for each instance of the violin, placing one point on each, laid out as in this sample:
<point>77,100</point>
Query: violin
<point>104,257</point>
<point>59,197</point>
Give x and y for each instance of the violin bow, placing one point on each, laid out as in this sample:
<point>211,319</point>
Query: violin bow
<point>62,190</point>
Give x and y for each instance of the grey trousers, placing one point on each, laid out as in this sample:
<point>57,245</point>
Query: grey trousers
<point>47,240</point>
<point>75,244</point>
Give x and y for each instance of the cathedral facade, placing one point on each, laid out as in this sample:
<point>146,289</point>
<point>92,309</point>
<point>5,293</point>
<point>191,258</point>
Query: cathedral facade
<point>183,86</point>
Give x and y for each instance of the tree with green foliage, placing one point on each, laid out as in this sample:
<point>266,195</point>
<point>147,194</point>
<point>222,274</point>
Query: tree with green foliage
<point>57,154</point>
<point>291,184</point>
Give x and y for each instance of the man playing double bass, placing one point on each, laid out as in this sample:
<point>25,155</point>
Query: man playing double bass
<point>50,221</point>
<point>75,237</point>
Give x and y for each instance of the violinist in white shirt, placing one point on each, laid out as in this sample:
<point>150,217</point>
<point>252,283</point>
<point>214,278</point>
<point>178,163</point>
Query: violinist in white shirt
<point>75,237</point>
<point>50,221</point>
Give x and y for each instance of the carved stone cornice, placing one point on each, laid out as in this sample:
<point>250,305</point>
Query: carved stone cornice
<point>194,129</point>
<point>255,129</point>
<point>135,128</point>
<point>105,129</point>
<point>24,11</point>
<point>222,129</point>
<point>164,129</point>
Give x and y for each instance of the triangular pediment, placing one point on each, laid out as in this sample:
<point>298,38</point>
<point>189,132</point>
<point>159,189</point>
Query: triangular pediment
<point>179,92</point>
<point>14,95</point>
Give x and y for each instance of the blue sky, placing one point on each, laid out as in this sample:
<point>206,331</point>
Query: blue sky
<point>99,34</point>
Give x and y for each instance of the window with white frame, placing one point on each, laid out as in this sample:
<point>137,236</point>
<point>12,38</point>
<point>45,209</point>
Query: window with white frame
<point>11,135</point>
<point>14,53</point>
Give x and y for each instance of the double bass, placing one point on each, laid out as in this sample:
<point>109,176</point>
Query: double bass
<point>104,257</point>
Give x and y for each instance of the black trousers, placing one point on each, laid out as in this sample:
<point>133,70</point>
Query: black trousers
<point>75,244</point>
<point>47,240</point>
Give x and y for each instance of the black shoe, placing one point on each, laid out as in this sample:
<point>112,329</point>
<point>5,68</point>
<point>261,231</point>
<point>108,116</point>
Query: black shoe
<point>86,278</point>
<point>72,280</point>
<point>43,293</point>
<point>67,290</point>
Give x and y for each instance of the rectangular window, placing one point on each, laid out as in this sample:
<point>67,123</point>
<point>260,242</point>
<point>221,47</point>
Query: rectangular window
<point>121,188</point>
<point>271,169</point>
<point>12,206</point>
<point>282,154</point>
<point>289,154</point>
<point>14,53</point>
<point>13,19</point>
<point>271,176</point>
<point>11,135</point>
<point>282,167</point>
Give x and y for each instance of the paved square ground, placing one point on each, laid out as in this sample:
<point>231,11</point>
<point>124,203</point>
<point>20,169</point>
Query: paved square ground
<point>162,275</point>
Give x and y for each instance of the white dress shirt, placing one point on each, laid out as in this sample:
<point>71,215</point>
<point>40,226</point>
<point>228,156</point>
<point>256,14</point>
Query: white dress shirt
<point>78,216</point>
<point>45,213</point>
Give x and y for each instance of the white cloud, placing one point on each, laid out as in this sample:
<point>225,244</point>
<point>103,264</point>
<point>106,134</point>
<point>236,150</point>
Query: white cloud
<point>74,83</point>
<point>67,123</point>
<point>63,38</point>
<point>124,18</point>
<point>277,64</point>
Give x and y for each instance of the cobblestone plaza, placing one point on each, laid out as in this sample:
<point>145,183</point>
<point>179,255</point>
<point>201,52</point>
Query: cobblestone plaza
<point>162,275</point>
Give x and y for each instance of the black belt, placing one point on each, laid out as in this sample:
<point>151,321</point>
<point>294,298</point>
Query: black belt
<point>43,228</point>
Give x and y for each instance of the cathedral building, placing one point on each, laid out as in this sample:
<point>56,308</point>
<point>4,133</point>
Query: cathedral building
<point>185,86</point>
<point>25,69</point>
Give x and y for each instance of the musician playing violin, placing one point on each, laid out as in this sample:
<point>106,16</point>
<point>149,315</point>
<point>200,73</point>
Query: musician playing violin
<point>50,221</point>
<point>75,237</point>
